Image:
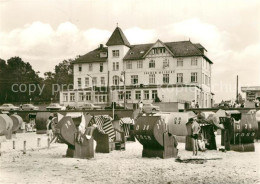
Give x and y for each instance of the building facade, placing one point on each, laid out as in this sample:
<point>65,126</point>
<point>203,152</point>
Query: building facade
<point>165,72</point>
<point>252,92</point>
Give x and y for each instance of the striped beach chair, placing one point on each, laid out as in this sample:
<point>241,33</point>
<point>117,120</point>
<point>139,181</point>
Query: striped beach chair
<point>125,123</point>
<point>104,125</point>
<point>105,135</point>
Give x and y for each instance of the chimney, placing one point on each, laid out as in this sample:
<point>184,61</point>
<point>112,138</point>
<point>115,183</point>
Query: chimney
<point>101,46</point>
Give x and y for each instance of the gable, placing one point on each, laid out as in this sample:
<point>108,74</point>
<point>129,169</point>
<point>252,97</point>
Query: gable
<point>157,49</point>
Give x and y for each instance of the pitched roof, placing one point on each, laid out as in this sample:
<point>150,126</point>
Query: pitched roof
<point>118,38</point>
<point>183,48</point>
<point>179,49</point>
<point>92,56</point>
<point>199,46</point>
<point>137,52</point>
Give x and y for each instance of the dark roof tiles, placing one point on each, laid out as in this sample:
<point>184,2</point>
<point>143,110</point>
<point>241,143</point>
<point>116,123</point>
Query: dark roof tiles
<point>118,38</point>
<point>137,51</point>
<point>92,56</point>
<point>179,49</point>
<point>199,46</point>
<point>183,48</point>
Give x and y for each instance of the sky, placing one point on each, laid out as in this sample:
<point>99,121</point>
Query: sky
<point>45,32</point>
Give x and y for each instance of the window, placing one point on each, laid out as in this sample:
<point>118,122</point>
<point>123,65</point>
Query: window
<point>115,53</point>
<point>128,95</point>
<point>165,63</point>
<point>90,67</point>
<point>65,97</point>
<point>115,80</point>
<point>194,77</point>
<point>103,54</point>
<point>129,65</point>
<point>152,79</point>
<point>115,66</point>
<point>138,95</point>
<point>146,94</point>
<point>154,94</point>
<point>152,64</point>
<point>72,97</point>
<point>179,77</point>
<point>158,50</point>
<point>166,78</point>
<point>86,82</point>
<point>206,98</point>
<point>88,96</point>
<point>206,79</point>
<point>94,81</point>
<point>120,95</point>
<point>161,50</point>
<point>99,98</point>
<point>80,68</point>
<point>102,81</point>
<point>134,79</point>
<point>102,98</point>
<point>194,61</point>
<point>179,62</point>
<point>79,82</point>
<point>154,51</point>
<point>81,96</point>
<point>139,64</point>
<point>101,67</point>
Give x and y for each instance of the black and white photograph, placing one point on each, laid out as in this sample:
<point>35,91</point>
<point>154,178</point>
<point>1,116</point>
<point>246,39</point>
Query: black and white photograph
<point>130,91</point>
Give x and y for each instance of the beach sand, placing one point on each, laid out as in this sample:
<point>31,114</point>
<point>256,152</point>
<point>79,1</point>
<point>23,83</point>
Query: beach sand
<point>43,165</point>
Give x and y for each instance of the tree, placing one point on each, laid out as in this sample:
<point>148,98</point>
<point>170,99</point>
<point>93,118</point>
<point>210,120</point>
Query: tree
<point>3,80</point>
<point>62,77</point>
<point>64,72</point>
<point>16,72</point>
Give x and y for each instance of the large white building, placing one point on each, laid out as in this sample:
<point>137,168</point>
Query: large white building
<point>160,71</point>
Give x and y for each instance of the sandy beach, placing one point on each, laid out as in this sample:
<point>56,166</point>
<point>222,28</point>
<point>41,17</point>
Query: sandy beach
<point>43,165</point>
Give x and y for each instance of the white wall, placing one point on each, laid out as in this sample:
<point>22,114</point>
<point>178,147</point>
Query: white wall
<point>122,52</point>
<point>87,73</point>
<point>167,95</point>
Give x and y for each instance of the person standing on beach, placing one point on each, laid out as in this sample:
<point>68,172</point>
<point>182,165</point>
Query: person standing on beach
<point>195,129</point>
<point>49,128</point>
<point>141,107</point>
